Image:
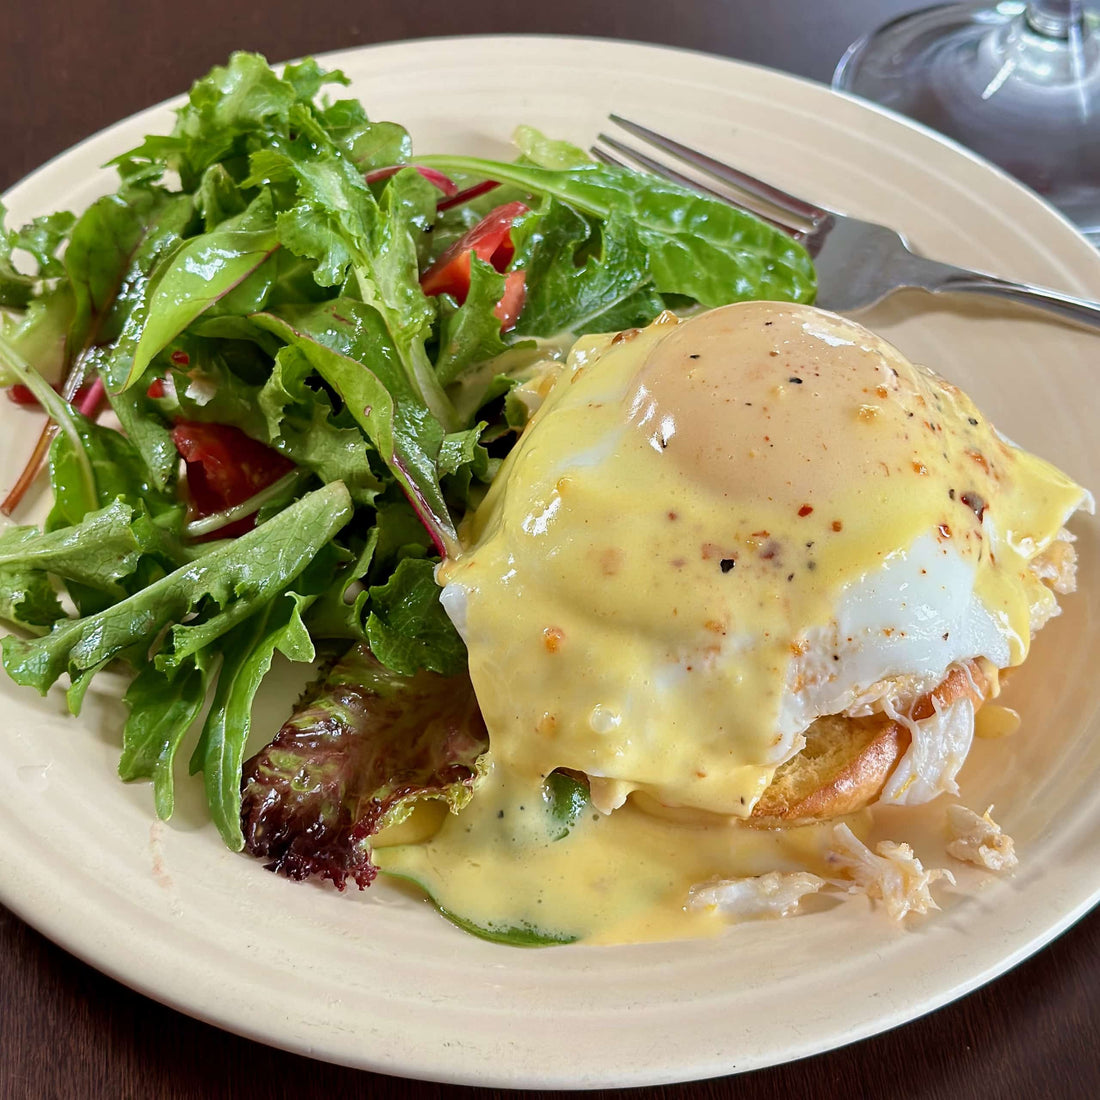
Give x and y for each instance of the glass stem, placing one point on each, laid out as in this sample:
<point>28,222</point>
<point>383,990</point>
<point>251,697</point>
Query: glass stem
<point>1056,18</point>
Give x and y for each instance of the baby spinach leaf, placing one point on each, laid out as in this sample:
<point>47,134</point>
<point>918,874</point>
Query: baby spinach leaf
<point>565,798</point>
<point>204,270</point>
<point>538,149</point>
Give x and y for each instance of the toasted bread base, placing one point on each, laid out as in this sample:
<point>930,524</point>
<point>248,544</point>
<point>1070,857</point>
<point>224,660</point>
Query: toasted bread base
<point>846,761</point>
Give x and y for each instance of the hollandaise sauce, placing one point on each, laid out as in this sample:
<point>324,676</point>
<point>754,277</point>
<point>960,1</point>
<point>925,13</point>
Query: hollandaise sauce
<point>509,867</point>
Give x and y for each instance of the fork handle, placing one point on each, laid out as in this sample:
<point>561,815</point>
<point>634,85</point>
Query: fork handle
<point>960,281</point>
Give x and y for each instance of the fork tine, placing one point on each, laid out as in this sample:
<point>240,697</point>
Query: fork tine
<point>784,200</point>
<point>659,169</point>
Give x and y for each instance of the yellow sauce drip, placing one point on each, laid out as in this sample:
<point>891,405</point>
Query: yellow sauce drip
<point>994,721</point>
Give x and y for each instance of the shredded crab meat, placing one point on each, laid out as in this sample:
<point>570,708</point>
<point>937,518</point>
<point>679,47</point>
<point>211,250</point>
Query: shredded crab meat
<point>938,750</point>
<point>775,894</point>
<point>891,873</point>
<point>979,840</point>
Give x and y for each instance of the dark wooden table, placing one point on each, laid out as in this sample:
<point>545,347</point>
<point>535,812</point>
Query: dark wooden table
<point>68,68</point>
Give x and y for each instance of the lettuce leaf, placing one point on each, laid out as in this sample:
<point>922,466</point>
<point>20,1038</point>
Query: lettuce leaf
<point>361,751</point>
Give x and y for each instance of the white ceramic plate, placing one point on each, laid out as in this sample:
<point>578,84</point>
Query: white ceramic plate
<point>378,980</point>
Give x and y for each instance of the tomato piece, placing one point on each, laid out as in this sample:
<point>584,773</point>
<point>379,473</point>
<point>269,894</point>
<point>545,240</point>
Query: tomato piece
<point>490,240</point>
<point>156,388</point>
<point>225,468</point>
<point>508,309</point>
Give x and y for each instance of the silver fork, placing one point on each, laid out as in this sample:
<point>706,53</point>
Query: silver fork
<point>858,262</point>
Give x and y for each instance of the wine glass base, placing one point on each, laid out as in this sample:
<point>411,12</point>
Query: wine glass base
<point>987,76</point>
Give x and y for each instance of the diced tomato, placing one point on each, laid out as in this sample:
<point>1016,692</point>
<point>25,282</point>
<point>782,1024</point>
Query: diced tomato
<point>225,468</point>
<point>156,388</point>
<point>511,303</point>
<point>490,240</point>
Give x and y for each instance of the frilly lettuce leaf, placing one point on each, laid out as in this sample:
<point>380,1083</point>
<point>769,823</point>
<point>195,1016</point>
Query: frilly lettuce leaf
<point>365,747</point>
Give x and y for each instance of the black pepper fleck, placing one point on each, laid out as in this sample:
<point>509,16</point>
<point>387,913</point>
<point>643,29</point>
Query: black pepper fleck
<point>795,379</point>
<point>694,356</point>
<point>790,576</point>
<point>727,564</point>
<point>500,813</point>
<point>972,420</point>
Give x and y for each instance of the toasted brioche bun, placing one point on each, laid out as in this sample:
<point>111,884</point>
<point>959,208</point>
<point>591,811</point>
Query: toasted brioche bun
<point>847,761</point>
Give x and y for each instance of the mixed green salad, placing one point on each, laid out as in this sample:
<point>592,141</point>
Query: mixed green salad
<point>306,338</point>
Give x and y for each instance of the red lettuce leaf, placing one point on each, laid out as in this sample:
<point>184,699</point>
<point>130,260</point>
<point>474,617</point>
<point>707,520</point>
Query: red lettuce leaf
<point>363,747</point>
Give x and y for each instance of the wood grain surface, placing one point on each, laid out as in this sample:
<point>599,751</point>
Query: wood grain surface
<point>68,68</point>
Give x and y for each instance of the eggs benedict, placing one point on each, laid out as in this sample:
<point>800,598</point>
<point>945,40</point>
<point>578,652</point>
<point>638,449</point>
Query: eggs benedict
<point>751,569</point>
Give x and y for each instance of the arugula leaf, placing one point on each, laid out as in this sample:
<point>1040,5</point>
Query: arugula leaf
<point>99,551</point>
<point>408,629</point>
<point>339,611</point>
<point>42,238</point>
<point>511,935</point>
<point>336,222</point>
<point>367,746</point>
<point>249,570</point>
<point>16,287</point>
<point>231,111</point>
<point>248,651</point>
<point>697,246</point>
<point>162,707</point>
<point>347,343</point>
<point>28,599</point>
